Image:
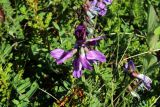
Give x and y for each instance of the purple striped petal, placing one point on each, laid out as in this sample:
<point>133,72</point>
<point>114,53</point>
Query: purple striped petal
<point>103,12</point>
<point>107,1</point>
<point>101,5</point>
<point>96,55</point>
<point>66,56</point>
<point>94,41</point>
<point>146,80</point>
<point>77,72</point>
<point>57,53</point>
<point>85,62</point>
<point>103,9</point>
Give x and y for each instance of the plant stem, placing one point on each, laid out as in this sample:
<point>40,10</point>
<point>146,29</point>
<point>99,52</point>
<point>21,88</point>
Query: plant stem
<point>142,54</point>
<point>48,93</point>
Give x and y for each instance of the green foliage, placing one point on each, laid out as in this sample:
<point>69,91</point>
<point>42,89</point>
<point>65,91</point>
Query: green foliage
<point>25,89</point>
<point>5,91</point>
<point>5,52</point>
<point>32,28</point>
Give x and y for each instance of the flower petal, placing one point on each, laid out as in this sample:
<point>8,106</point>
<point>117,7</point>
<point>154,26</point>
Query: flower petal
<point>93,41</point>
<point>66,56</point>
<point>96,55</point>
<point>102,7</point>
<point>107,1</point>
<point>57,53</point>
<point>146,80</point>
<point>77,72</point>
<point>93,3</point>
<point>85,62</point>
<point>103,12</point>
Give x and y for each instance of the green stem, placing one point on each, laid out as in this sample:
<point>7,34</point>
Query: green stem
<point>142,54</point>
<point>48,93</point>
<point>125,50</point>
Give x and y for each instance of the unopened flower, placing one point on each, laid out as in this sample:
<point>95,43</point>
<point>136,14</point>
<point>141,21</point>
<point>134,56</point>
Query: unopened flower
<point>80,32</point>
<point>130,68</point>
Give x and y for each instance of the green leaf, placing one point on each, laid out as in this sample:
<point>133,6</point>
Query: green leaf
<point>157,31</point>
<point>148,61</point>
<point>5,50</point>
<point>23,97</point>
<point>152,20</point>
<point>24,86</point>
<point>56,26</point>
<point>153,42</point>
<point>15,101</point>
<point>32,90</point>
<point>23,104</point>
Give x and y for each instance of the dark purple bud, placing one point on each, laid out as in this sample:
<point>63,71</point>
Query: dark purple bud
<point>130,66</point>
<point>80,32</point>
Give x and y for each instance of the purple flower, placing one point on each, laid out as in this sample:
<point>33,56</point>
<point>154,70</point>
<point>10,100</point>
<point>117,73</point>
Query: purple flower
<point>60,55</point>
<point>84,56</point>
<point>102,8</point>
<point>83,61</point>
<point>146,80</point>
<point>95,7</point>
<point>130,66</point>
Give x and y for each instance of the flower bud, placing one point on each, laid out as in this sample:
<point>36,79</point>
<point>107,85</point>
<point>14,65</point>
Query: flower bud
<point>80,32</point>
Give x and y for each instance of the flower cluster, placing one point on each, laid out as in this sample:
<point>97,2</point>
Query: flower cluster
<point>96,7</point>
<point>84,56</point>
<point>131,70</point>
